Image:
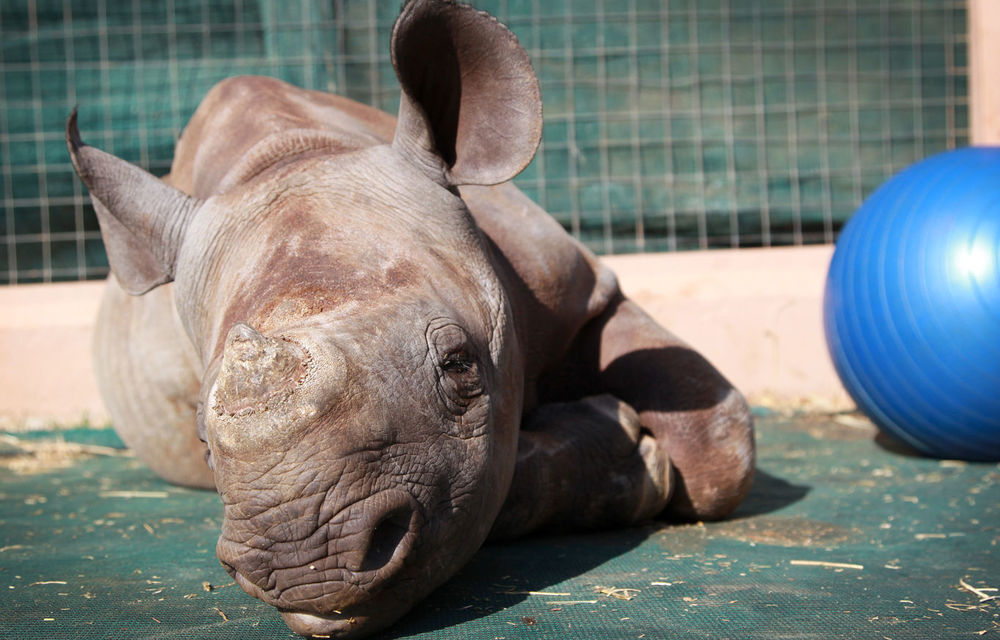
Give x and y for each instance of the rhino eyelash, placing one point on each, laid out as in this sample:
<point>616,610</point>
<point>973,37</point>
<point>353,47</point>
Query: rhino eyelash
<point>458,363</point>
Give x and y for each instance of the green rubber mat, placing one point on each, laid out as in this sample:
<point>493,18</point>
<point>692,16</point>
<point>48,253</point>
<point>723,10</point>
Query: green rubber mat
<point>844,536</point>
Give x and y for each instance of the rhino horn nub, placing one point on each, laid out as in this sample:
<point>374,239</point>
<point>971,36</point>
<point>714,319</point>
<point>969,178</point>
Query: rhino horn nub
<point>258,372</point>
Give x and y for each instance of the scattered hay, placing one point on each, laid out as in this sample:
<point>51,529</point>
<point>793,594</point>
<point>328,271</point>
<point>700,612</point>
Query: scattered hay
<point>134,494</point>
<point>983,593</point>
<point>829,565</point>
<point>38,456</point>
<point>779,531</point>
<point>789,405</point>
<point>619,593</point>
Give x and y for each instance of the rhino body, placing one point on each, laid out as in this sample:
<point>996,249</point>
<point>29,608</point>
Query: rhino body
<point>376,349</point>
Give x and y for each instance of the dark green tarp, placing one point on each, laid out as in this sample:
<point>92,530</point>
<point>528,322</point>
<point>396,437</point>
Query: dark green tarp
<point>844,536</point>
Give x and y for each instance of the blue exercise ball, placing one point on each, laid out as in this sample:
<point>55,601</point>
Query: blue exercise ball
<point>912,305</point>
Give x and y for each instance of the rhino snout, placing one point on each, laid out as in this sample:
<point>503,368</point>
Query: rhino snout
<point>355,556</point>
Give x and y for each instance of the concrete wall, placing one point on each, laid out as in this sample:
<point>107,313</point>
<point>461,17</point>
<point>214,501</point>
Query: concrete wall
<point>755,313</point>
<point>45,372</point>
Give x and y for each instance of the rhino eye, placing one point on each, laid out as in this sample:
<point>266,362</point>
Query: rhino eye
<point>462,372</point>
<point>457,363</point>
<point>459,370</point>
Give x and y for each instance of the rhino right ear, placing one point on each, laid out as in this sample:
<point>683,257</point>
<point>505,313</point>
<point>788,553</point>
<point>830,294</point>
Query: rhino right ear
<point>471,109</point>
<point>142,218</point>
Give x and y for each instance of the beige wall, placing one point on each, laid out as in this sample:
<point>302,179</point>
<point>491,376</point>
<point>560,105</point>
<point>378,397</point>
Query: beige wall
<point>755,313</point>
<point>984,87</point>
<point>45,370</point>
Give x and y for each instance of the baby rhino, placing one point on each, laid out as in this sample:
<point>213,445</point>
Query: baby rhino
<point>377,350</point>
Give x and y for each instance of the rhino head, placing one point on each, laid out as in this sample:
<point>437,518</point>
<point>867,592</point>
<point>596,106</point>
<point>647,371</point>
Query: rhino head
<point>361,386</point>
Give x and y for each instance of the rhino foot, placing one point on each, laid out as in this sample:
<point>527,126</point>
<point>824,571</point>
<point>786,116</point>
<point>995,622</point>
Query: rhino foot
<point>584,465</point>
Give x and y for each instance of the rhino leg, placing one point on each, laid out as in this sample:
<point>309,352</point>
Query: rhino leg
<point>145,368</point>
<point>696,416</point>
<point>584,465</point>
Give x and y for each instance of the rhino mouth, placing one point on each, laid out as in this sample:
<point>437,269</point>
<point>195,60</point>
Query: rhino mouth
<point>328,596</point>
<point>325,626</point>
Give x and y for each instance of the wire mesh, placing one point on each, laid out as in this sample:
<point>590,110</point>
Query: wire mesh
<point>669,124</point>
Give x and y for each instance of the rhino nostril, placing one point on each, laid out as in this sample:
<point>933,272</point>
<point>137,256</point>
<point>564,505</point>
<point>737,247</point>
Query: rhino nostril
<point>387,536</point>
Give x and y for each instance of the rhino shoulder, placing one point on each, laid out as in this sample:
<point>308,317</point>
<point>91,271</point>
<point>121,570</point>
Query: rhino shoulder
<point>555,283</point>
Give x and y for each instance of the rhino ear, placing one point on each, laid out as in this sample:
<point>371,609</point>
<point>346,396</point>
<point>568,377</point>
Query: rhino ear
<point>142,218</point>
<point>470,108</point>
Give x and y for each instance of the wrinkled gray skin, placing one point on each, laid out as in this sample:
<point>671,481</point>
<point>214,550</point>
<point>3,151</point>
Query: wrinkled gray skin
<point>388,358</point>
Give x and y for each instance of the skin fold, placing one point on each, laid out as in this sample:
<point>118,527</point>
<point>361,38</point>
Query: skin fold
<point>376,349</point>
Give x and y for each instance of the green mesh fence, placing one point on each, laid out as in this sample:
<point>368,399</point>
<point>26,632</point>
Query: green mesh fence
<point>670,124</point>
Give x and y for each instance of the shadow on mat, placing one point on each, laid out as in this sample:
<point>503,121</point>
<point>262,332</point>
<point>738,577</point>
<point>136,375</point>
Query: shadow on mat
<point>769,493</point>
<point>888,443</point>
<point>501,574</point>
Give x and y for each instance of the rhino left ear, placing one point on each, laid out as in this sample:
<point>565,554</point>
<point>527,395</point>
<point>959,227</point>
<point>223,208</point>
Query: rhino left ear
<point>471,110</point>
<point>142,218</point>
